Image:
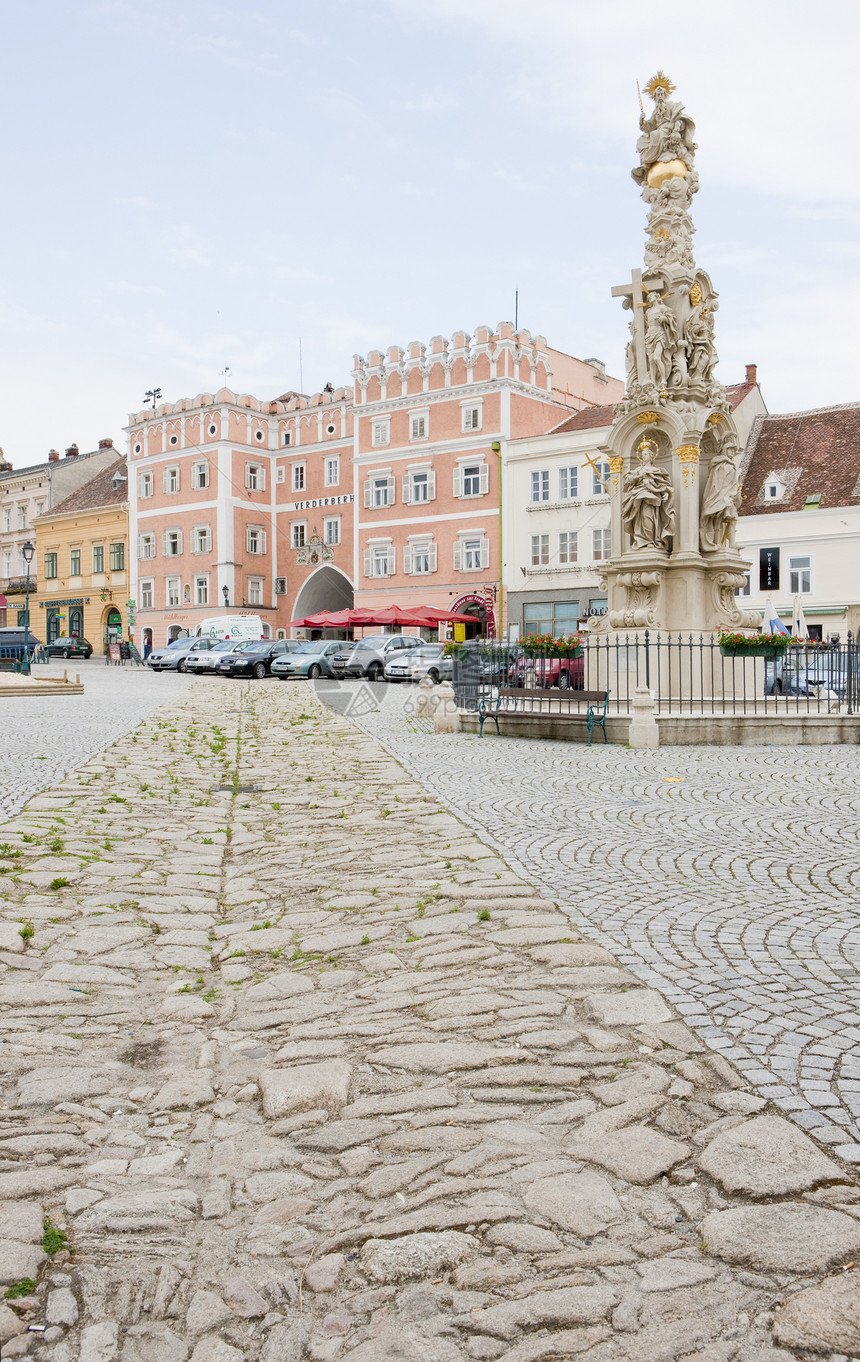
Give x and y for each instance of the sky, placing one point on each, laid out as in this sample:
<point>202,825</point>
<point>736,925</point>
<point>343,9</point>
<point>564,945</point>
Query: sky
<point>194,186</point>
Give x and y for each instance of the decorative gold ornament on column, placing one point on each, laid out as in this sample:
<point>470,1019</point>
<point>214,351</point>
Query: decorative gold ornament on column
<point>688,456</point>
<point>647,418</point>
<point>616,465</point>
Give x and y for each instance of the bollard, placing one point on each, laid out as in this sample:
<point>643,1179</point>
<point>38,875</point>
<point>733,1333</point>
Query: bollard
<point>447,716</point>
<point>427,699</point>
<point>644,732</point>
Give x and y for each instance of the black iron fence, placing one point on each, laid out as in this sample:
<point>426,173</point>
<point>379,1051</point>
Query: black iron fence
<point>686,673</point>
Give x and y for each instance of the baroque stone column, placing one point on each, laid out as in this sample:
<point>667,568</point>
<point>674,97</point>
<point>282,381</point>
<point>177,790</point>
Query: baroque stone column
<point>688,499</point>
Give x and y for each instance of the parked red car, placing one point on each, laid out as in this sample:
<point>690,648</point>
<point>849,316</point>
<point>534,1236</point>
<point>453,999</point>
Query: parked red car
<point>567,673</point>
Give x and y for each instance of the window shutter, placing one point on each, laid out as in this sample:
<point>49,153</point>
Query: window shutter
<point>166,480</point>
<point>458,551</point>
<point>164,545</point>
<point>485,477</point>
<point>485,553</point>
<point>368,558</point>
<point>392,558</point>
<point>261,478</point>
<point>179,542</point>
<point>431,486</point>
<point>407,561</point>
<point>140,544</point>
<point>407,500</point>
<point>262,541</point>
<point>431,561</point>
<point>368,497</point>
<point>458,492</point>
<point>391,494</point>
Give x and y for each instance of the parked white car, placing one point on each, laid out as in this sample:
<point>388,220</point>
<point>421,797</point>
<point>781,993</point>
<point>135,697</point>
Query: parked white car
<point>428,660</point>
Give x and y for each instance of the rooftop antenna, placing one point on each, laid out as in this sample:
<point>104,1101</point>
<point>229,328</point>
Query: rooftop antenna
<point>641,105</point>
<point>301,373</point>
<point>516,309</point>
<point>151,397</point>
<point>225,374</point>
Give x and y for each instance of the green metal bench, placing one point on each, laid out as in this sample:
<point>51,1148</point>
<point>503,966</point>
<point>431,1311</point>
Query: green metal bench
<point>516,703</point>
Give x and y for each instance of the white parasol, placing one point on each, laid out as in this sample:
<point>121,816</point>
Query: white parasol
<point>771,623</point>
<point>798,620</point>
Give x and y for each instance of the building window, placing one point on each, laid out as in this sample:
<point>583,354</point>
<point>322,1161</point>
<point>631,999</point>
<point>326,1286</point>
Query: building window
<point>379,434</point>
<point>568,546</point>
<point>379,491</point>
<point>600,545</point>
<point>201,539</point>
<point>172,543</point>
<point>540,485</point>
<point>255,539</point>
<point>98,558</point>
<point>255,591</point>
<point>550,617</point>
<point>75,563</point>
<point>171,479</point>
<point>418,427</point>
<point>297,533</point>
<point>379,560</point>
<point>471,554</point>
<point>419,486</point>
<point>255,477</point>
<point>50,565</point>
<point>298,477</point>
<point>7,565</point>
<point>800,576</point>
<point>471,418</point>
<point>600,480</point>
<point>540,550</point>
<point>145,485</point>
<point>746,589</point>
<point>568,483</point>
<point>7,519</point>
<point>40,505</point>
<point>201,590</point>
<point>471,480</point>
<point>173,591</point>
<point>22,517</point>
<point>332,471</point>
<point>419,558</point>
<point>331,529</point>
<point>146,546</point>
<point>147,594</point>
<point>281,475</point>
<point>117,557</point>
<point>288,437</point>
<point>200,475</point>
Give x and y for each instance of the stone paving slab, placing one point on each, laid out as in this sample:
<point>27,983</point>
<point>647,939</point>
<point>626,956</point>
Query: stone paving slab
<point>726,878</point>
<point>359,1139</point>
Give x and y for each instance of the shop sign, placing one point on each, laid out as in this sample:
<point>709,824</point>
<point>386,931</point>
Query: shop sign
<point>320,502</point>
<point>768,569</point>
<point>486,604</point>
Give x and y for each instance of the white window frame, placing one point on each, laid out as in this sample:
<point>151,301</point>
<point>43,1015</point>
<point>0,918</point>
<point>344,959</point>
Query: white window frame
<point>299,476</point>
<point>255,590</point>
<point>298,533</point>
<point>287,437</point>
<point>173,591</point>
<point>331,523</point>
<point>7,518</point>
<point>255,540</point>
<point>464,549</point>
<point>380,432</point>
<point>145,485</point>
<point>172,479</point>
<point>472,417</point>
<point>171,536</point>
<point>568,482</point>
<point>22,517</point>
<point>255,477</point>
<point>419,425</point>
<point>460,473</point>
<point>146,546</point>
<point>379,552</point>
<point>796,575</point>
<point>539,482</point>
<point>147,589</point>
<point>376,496</point>
<point>746,589</point>
<point>601,545</point>
<point>601,471</point>
<point>201,539</point>
<point>200,474</point>
<point>332,470</point>
<point>540,550</point>
<point>201,588</point>
<point>420,549</point>
<point>568,547</point>
<point>410,483</point>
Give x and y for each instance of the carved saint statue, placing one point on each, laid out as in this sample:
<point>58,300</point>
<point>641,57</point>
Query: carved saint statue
<point>661,338</point>
<point>647,509</point>
<point>720,502</point>
<point>630,358</point>
<point>699,340</point>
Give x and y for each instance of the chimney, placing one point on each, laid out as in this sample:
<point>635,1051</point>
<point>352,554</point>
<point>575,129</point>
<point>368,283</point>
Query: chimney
<point>751,373</point>
<point>106,444</point>
<point>53,456</point>
<point>72,452</point>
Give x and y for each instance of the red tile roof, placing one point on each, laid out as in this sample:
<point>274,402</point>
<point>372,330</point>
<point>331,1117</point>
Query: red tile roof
<point>588,419</point>
<point>96,493</point>
<point>810,452</point>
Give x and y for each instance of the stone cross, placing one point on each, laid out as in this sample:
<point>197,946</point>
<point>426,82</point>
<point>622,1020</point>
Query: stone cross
<point>635,295</point>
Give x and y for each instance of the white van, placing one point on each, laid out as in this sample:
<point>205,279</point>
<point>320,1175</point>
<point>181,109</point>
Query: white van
<point>237,627</point>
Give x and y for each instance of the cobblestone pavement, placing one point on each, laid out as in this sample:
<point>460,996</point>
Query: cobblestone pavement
<point>45,738</point>
<point>727,878</point>
<point>294,1067</point>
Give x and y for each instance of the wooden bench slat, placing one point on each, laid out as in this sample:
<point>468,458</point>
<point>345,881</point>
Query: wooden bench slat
<point>556,704</point>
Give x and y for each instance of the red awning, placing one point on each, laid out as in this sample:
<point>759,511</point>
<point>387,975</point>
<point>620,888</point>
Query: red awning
<point>410,617</point>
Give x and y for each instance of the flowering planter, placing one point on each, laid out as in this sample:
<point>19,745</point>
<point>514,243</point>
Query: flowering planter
<point>548,653</point>
<point>758,650</point>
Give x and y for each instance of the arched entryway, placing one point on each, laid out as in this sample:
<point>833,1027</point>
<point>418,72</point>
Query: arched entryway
<point>111,625</point>
<point>76,621</point>
<point>326,589</point>
<point>175,631</point>
<point>480,611</point>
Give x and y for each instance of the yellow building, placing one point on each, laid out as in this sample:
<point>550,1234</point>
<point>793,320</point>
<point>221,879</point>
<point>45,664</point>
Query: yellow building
<point>82,564</point>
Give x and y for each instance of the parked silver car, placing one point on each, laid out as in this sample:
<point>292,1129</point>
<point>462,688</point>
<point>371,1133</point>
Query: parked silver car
<point>207,659</point>
<point>174,657</point>
<point>428,660</point>
<point>369,655</point>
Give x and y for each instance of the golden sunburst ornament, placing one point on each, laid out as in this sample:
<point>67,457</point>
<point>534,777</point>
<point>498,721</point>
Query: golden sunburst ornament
<point>659,82</point>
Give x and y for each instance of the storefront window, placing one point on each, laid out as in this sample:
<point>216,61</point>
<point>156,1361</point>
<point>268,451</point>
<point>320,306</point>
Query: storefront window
<point>550,617</point>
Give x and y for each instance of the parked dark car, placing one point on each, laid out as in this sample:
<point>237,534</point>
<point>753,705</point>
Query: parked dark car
<point>69,647</point>
<point>567,673</point>
<point>257,660</point>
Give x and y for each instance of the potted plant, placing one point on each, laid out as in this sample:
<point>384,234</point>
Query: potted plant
<point>753,645</point>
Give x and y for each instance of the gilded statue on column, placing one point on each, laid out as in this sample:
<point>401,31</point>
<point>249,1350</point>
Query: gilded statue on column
<point>647,502</point>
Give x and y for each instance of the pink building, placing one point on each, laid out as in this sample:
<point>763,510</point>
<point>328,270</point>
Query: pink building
<point>241,505</point>
<point>431,425</point>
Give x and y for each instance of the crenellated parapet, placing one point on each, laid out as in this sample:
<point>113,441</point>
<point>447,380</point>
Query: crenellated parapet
<point>452,362</point>
<point>291,419</point>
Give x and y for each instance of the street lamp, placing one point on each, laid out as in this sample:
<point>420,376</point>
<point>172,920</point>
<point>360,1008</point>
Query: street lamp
<point>226,594</point>
<point>27,552</point>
